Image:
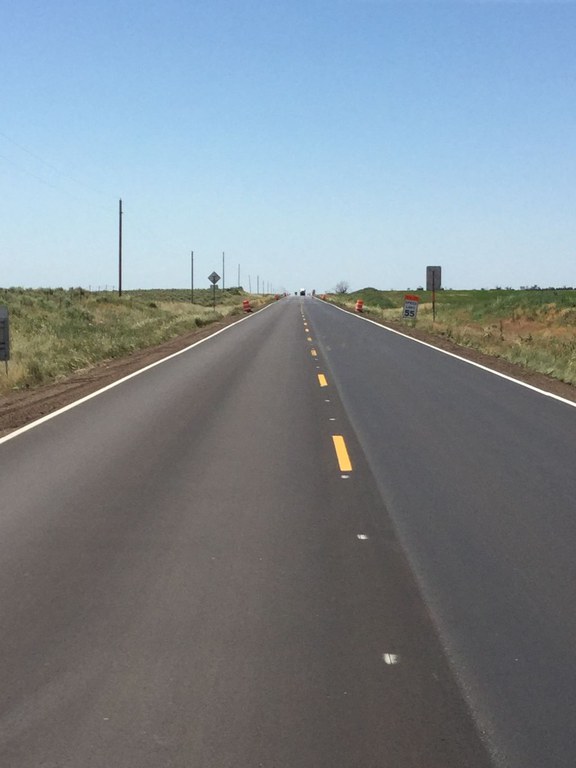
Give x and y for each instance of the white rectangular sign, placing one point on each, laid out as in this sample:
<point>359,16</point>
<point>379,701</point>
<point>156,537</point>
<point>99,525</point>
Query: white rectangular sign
<point>410,307</point>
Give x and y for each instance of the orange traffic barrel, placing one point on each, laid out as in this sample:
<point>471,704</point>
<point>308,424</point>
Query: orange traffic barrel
<point>246,306</point>
<point>359,305</point>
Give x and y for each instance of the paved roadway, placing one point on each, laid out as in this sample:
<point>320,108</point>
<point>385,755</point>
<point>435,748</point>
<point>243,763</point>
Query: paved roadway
<point>189,578</point>
<point>477,473</point>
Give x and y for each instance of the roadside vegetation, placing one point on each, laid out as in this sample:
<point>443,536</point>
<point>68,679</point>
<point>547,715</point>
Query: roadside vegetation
<point>533,327</point>
<point>56,331</point>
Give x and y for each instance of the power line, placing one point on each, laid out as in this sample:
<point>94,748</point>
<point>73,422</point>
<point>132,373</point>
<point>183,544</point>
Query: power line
<point>52,167</point>
<point>51,185</point>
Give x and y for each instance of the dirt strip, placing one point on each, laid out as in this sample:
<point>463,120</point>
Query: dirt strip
<point>24,406</point>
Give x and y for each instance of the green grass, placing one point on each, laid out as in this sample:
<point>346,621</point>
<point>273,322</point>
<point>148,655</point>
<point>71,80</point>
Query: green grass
<point>55,331</point>
<point>499,302</point>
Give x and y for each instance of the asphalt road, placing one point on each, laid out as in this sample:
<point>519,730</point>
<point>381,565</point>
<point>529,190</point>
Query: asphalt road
<point>190,575</point>
<point>477,473</point>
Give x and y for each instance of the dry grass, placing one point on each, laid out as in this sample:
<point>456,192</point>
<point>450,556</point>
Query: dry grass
<point>55,331</point>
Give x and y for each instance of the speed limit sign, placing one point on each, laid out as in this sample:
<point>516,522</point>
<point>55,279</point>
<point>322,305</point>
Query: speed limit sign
<point>410,306</point>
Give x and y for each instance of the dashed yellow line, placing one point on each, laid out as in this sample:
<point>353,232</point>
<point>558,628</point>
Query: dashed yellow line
<point>322,380</point>
<point>309,338</point>
<point>342,453</point>
<point>313,353</point>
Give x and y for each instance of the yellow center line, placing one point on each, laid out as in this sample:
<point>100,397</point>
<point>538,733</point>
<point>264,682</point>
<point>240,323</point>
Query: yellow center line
<point>322,380</point>
<point>342,453</point>
<point>309,338</point>
<point>313,353</point>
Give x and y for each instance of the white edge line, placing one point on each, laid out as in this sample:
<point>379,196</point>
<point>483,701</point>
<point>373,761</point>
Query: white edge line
<point>463,359</point>
<point>69,407</point>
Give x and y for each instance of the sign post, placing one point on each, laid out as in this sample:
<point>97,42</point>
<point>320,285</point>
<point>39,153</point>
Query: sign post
<point>214,277</point>
<point>410,311</point>
<point>4,336</point>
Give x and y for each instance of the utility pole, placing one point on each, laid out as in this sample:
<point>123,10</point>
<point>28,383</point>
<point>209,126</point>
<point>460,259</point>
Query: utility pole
<point>249,284</point>
<point>120,248</point>
<point>191,277</point>
<point>257,283</point>
<point>238,276</point>
<point>223,270</point>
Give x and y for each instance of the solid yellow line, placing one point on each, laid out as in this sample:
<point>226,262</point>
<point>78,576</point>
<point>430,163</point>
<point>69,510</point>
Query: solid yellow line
<point>309,338</point>
<point>322,380</point>
<point>313,352</point>
<point>342,453</point>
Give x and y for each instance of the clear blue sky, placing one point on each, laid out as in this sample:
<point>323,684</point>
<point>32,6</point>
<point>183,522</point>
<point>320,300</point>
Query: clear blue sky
<point>312,141</point>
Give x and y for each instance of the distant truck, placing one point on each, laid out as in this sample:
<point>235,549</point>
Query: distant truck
<point>303,292</point>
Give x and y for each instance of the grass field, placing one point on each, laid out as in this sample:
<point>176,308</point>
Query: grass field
<point>534,328</point>
<point>55,331</point>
